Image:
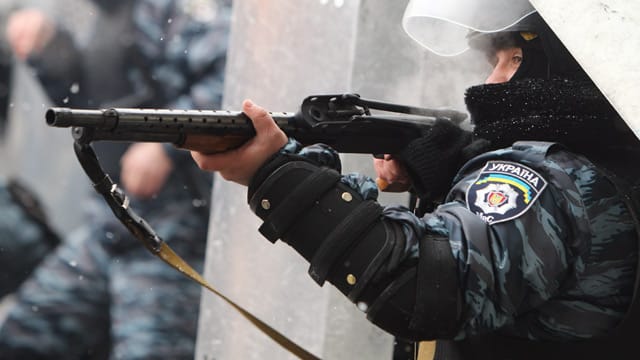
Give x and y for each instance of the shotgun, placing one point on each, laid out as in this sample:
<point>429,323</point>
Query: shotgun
<point>344,122</point>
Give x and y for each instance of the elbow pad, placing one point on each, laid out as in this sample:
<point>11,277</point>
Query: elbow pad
<point>347,242</point>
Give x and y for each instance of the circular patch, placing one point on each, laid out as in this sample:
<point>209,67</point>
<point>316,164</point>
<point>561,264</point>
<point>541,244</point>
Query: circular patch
<point>503,191</point>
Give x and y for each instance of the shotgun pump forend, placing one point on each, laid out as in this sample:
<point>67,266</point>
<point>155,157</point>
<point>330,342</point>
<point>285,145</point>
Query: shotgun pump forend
<point>344,122</point>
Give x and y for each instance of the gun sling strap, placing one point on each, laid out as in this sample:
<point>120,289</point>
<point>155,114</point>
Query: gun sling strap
<point>119,204</point>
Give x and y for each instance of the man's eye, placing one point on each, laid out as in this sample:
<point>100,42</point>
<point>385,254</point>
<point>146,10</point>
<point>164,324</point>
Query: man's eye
<point>516,59</point>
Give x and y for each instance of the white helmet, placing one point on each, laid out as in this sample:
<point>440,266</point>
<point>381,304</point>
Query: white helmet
<point>442,26</point>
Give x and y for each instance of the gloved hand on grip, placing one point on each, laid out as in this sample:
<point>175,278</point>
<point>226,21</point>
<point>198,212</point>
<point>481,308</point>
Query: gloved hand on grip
<point>433,160</point>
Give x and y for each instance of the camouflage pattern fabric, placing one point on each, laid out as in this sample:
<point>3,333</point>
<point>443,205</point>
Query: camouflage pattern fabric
<point>102,295</point>
<point>185,52</point>
<point>562,269</point>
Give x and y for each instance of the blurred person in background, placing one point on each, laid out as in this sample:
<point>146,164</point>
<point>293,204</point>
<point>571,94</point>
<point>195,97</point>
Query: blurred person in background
<point>25,233</point>
<point>101,294</point>
<point>25,230</point>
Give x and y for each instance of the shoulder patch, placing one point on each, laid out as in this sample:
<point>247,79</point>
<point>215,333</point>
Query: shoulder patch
<point>503,191</point>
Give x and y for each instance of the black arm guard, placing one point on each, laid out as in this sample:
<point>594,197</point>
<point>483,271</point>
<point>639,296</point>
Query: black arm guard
<point>350,244</point>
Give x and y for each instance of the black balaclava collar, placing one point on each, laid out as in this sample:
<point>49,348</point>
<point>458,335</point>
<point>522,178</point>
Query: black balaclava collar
<point>574,113</point>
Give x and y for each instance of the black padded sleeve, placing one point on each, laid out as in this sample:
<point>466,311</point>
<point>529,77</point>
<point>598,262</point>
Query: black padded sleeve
<point>349,243</point>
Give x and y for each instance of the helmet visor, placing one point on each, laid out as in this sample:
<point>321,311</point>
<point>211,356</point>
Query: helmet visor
<point>441,26</point>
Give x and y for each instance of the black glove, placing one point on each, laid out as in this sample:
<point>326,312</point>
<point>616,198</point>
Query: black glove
<point>434,159</point>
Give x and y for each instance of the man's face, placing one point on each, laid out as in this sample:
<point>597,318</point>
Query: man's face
<point>505,63</point>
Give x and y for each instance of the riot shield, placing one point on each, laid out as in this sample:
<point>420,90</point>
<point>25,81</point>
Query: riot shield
<point>602,36</point>
<point>280,53</point>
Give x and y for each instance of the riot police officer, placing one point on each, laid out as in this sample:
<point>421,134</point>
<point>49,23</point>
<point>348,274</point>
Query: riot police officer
<point>532,247</point>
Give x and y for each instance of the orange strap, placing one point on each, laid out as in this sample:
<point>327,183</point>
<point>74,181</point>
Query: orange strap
<point>426,350</point>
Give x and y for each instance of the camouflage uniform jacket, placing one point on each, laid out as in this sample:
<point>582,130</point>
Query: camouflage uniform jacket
<point>561,267</point>
<point>544,244</point>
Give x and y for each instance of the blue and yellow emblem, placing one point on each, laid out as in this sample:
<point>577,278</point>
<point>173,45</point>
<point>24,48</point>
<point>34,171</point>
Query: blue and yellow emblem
<point>503,191</point>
